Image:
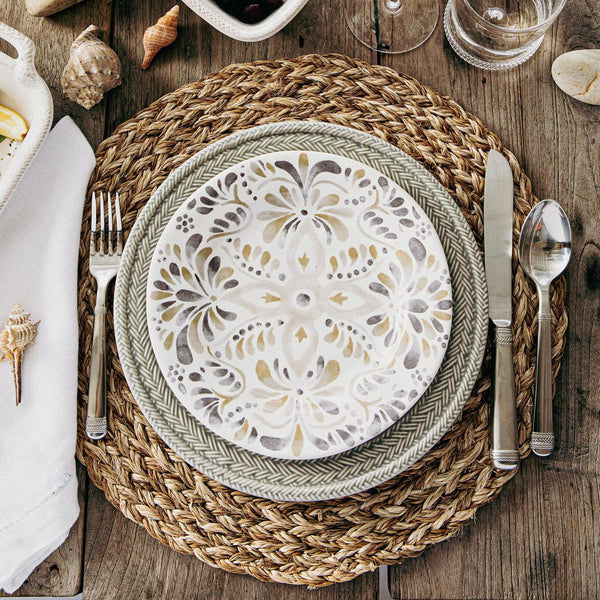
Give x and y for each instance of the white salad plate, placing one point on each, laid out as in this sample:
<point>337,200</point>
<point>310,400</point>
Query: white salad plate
<point>299,303</point>
<point>25,92</point>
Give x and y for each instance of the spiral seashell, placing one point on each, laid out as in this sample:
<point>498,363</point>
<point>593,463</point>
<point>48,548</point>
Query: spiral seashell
<point>18,334</point>
<point>160,35</point>
<point>93,69</point>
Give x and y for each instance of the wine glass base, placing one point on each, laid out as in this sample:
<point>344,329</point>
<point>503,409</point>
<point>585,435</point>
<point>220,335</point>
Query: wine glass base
<point>495,63</point>
<point>380,26</point>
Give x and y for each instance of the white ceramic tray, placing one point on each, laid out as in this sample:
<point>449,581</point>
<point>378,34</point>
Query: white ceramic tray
<point>24,91</point>
<point>245,32</point>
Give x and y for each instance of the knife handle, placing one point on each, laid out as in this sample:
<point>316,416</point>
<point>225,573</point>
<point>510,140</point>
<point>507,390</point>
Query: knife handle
<point>505,450</point>
<point>542,438</point>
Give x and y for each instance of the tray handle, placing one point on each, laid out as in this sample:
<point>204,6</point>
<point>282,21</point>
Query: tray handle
<point>25,62</point>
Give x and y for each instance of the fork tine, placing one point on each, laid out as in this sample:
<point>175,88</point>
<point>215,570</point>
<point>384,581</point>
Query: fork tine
<point>101,223</point>
<point>93,228</point>
<point>119,224</point>
<point>110,226</point>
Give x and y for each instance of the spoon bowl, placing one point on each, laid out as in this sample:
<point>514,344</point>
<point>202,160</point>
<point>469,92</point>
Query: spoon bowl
<point>545,242</point>
<point>544,252</point>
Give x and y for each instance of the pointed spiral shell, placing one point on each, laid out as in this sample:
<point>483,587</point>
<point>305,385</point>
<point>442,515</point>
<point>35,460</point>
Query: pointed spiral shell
<point>19,332</point>
<point>160,35</point>
<point>93,69</point>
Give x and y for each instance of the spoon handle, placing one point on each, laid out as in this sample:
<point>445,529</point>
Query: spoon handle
<point>542,438</point>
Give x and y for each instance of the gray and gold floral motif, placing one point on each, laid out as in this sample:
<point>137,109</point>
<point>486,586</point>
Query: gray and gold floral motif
<point>419,304</point>
<point>189,289</point>
<point>304,192</point>
<point>307,300</point>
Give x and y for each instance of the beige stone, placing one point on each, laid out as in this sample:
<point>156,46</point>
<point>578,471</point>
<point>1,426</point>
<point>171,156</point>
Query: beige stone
<point>43,8</point>
<point>577,73</point>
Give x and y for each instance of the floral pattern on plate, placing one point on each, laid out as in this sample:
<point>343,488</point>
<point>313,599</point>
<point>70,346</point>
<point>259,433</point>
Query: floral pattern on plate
<point>299,303</point>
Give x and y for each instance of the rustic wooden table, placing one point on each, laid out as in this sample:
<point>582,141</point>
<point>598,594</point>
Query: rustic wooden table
<point>541,538</point>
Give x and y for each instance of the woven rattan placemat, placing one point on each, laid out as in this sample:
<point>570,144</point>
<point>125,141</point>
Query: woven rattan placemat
<point>324,542</point>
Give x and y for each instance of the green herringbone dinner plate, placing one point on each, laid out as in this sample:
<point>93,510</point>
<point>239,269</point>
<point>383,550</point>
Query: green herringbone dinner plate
<point>365,465</point>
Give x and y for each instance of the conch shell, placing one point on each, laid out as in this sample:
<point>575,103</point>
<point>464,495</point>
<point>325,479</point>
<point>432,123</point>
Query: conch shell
<point>160,35</point>
<point>17,335</point>
<point>92,70</point>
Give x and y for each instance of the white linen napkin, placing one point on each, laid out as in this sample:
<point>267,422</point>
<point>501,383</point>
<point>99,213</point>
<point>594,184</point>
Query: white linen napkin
<point>39,244</point>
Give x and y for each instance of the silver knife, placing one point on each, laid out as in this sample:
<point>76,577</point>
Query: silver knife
<point>497,231</point>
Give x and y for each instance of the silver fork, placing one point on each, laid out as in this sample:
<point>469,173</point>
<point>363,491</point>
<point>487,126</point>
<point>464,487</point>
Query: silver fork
<point>104,264</point>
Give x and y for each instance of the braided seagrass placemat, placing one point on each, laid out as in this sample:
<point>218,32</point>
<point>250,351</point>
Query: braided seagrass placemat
<point>332,541</point>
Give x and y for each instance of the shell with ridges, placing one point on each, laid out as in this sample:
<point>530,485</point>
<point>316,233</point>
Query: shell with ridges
<point>160,35</point>
<point>18,334</point>
<point>93,69</point>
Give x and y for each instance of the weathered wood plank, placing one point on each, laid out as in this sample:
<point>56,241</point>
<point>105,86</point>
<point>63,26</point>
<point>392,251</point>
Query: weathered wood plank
<point>61,574</point>
<point>122,560</point>
<point>200,49</point>
<point>124,563</point>
<point>539,538</point>
<point>53,37</point>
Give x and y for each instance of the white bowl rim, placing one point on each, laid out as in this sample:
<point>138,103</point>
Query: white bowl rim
<point>232,27</point>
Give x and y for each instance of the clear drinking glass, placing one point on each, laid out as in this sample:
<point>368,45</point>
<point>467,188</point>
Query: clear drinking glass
<point>392,26</point>
<point>498,34</point>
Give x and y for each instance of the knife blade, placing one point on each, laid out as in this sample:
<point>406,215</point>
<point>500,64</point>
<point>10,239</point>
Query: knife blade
<point>497,232</point>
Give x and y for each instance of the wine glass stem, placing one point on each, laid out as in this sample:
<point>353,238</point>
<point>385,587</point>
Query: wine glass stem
<point>392,7</point>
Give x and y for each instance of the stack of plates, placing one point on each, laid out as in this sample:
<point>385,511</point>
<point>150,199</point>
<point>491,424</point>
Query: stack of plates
<point>301,311</point>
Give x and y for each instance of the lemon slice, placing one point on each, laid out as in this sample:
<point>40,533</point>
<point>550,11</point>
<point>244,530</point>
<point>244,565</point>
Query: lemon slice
<point>12,125</point>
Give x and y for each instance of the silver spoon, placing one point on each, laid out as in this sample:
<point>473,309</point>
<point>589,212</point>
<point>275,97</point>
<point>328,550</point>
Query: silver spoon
<point>544,252</point>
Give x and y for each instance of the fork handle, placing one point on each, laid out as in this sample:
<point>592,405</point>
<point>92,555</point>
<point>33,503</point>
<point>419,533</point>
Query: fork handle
<point>95,422</point>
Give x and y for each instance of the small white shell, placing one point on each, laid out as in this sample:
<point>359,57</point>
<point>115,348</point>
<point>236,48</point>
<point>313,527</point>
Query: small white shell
<point>92,70</point>
<point>159,35</point>
<point>577,74</point>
